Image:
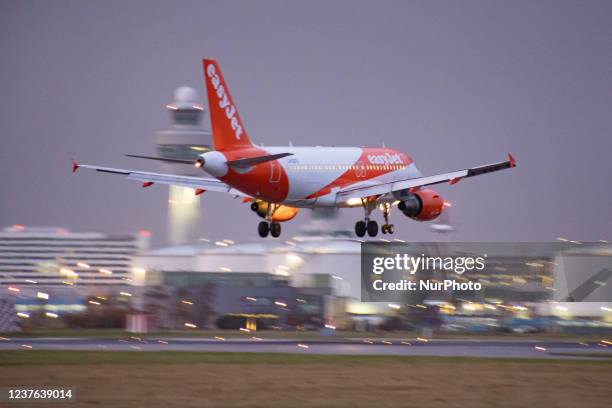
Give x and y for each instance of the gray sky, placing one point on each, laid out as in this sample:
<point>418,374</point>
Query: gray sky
<point>452,83</point>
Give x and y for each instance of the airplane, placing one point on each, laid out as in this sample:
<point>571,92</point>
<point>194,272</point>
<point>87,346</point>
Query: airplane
<point>278,181</point>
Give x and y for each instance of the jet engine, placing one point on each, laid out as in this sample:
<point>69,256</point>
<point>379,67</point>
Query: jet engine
<point>280,214</point>
<point>421,205</point>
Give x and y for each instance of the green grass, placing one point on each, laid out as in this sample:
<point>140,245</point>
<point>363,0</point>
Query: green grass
<point>41,357</point>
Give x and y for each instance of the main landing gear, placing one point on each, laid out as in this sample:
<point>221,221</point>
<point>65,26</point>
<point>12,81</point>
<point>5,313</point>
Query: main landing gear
<point>265,227</point>
<point>268,227</point>
<point>370,226</point>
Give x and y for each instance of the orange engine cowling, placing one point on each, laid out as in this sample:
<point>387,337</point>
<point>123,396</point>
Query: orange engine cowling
<point>422,205</point>
<point>281,214</point>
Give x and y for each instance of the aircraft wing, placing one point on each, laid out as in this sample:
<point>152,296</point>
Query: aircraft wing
<point>451,178</point>
<point>148,178</point>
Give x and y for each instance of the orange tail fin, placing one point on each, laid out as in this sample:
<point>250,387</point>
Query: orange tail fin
<point>227,129</point>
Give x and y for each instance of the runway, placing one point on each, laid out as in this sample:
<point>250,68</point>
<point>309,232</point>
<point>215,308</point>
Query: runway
<point>389,347</point>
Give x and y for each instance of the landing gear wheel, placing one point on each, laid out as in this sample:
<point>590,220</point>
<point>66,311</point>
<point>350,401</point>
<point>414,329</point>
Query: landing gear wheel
<point>372,228</point>
<point>275,229</point>
<point>254,207</point>
<point>360,228</point>
<point>383,229</point>
<point>391,228</point>
<point>263,228</point>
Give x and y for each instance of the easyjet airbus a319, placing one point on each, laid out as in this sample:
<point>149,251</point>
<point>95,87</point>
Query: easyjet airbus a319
<point>278,181</point>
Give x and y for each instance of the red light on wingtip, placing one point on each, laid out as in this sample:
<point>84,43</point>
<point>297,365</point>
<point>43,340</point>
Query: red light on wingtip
<point>511,160</point>
<point>144,233</point>
<point>75,166</point>
<point>147,184</point>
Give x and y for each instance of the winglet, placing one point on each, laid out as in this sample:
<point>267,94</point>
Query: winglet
<point>75,166</point>
<point>511,160</point>
<point>199,191</point>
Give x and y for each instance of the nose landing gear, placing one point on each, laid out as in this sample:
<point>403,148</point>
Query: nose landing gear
<point>387,228</point>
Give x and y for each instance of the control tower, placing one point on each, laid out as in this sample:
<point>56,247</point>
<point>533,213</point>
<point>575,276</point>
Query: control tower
<point>186,139</point>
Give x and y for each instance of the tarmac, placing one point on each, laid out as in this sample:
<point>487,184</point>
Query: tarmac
<point>390,347</point>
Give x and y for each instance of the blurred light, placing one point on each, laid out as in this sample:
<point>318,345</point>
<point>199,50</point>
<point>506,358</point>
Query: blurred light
<point>353,201</point>
<point>386,342</point>
<point>42,295</point>
<point>68,283</point>
<point>221,243</point>
<point>139,270</point>
<point>23,315</point>
<point>105,271</point>
<point>329,326</point>
<point>304,346</point>
<point>100,297</point>
<point>281,304</point>
<point>125,294</point>
<point>562,239</point>
<point>171,107</point>
<point>187,302</point>
<point>68,272</point>
<point>31,281</point>
<point>252,299</point>
<point>197,107</point>
<point>257,338</point>
<point>14,289</point>
<point>162,341</point>
<point>225,269</point>
<point>83,265</point>
<point>561,308</point>
<point>242,329</point>
<point>144,233</point>
<point>26,346</point>
<point>52,315</point>
<point>219,338</point>
<point>229,241</point>
<point>93,302</point>
<point>190,325</point>
<point>394,306</point>
<point>606,309</point>
<point>540,348</point>
<point>447,204</point>
<point>336,277</point>
<point>424,340</point>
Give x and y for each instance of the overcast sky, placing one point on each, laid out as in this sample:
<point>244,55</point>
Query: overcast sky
<point>451,83</point>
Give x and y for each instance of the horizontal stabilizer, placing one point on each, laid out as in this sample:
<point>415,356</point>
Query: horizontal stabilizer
<point>244,163</point>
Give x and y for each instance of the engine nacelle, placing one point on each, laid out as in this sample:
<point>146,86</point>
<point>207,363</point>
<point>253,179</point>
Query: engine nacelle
<point>213,162</point>
<point>282,213</point>
<point>422,205</point>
